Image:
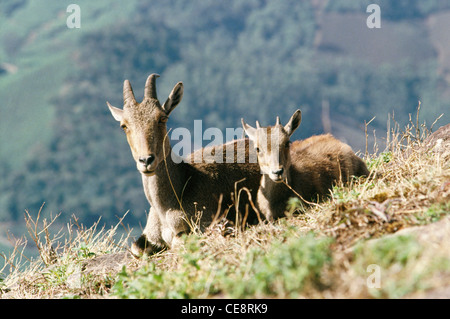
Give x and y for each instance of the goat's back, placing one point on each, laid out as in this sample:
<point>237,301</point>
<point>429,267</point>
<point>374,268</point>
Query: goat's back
<point>207,181</point>
<point>319,162</point>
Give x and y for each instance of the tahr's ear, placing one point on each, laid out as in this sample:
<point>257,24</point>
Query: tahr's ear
<point>116,112</point>
<point>250,131</point>
<point>294,122</point>
<point>174,98</point>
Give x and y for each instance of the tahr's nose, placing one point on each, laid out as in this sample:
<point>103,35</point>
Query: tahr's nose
<point>278,172</point>
<point>147,160</point>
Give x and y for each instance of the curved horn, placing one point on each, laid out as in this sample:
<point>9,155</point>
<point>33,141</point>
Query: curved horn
<point>150,87</point>
<point>128,95</point>
<point>258,125</point>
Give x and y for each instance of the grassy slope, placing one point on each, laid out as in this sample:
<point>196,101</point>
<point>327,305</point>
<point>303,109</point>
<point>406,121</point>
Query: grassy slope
<point>323,252</point>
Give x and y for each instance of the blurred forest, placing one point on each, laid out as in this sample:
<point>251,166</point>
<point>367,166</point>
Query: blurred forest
<point>254,59</point>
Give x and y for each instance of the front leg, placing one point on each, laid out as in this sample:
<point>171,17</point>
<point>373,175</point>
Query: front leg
<point>174,226</point>
<point>264,206</point>
<point>151,240</point>
<point>272,207</point>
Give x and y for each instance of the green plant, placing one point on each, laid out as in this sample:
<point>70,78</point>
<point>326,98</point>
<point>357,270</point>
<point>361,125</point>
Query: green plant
<point>405,266</point>
<point>188,279</point>
<point>434,213</point>
<point>284,270</point>
<point>383,158</point>
<point>84,251</point>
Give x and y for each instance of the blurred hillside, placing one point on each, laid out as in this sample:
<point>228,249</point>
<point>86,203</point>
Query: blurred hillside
<point>254,59</point>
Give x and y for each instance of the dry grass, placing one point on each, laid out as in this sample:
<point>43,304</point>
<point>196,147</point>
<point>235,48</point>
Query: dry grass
<point>57,271</point>
<point>323,251</point>
<point>409,185</point>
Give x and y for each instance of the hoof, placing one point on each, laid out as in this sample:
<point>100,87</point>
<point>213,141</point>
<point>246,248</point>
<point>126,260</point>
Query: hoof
<point>143,247</point>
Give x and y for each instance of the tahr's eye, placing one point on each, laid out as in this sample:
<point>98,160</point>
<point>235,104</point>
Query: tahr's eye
<point>163,119</point>
<point>124,127</point>
<point>258,150</point>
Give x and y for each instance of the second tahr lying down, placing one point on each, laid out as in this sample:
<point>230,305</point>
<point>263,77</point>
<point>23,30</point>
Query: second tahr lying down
<point>310,167</point>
